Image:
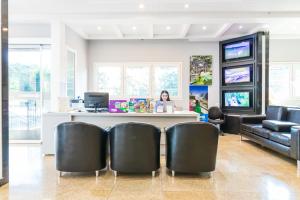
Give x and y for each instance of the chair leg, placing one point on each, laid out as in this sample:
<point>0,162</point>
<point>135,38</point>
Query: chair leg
<point>97,173</point>
<point>173,173</point>
<point>153,173</point>
<point>115,173</point>
<point>60,173</point>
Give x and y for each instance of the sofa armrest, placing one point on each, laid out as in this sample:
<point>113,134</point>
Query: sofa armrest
<point>252,119</point>
<point>295,142</point>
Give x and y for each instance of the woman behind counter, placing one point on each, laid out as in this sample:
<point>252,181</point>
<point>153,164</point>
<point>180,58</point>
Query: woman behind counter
<point>165,104</point>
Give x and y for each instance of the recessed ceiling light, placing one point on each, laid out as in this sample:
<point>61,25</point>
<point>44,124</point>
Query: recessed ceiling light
<point>141,6</point>
<point>186,5</point>
<point>241,27</point>
<point>168,27</point>
<point>134,28</point>
<point>99,28</point>
<point>204,28</point>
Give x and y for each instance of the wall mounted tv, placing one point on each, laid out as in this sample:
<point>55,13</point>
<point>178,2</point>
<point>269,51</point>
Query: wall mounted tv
<point>241,74</point>
<point>238,50</point>
<point>237,99</point>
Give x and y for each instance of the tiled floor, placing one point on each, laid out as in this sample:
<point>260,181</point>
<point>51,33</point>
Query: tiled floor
<point>244,171</point>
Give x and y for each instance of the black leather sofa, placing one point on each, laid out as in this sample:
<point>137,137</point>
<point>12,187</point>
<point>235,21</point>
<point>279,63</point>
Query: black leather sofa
<point>278,130</point>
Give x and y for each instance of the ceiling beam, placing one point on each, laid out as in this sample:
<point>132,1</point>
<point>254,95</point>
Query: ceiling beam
<point>258,28</point>
<point>162,18</point>
<point>118,31</point>
<point>79,31</point>
<point>185,30</point>
<point>223,30</point>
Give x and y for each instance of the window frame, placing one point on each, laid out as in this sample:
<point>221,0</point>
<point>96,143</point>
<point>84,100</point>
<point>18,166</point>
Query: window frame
<point>125,65</point>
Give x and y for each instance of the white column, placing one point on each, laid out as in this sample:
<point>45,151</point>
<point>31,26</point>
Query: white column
<point>58,65</point>
<point>1,176</point>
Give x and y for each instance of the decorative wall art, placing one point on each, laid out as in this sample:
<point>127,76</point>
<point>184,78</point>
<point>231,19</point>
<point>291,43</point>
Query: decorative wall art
<point>201,70</point>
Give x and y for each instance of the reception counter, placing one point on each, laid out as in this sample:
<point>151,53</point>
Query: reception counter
<point>104,120</point>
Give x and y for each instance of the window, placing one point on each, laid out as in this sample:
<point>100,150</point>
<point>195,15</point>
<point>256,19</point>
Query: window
<point>284,81</point>
<point>166,78</point>
<point>125,80</point>
<point>71,62</point>
<point>137,80</point>
<point>109,79</point>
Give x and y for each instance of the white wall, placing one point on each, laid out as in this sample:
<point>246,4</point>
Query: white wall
<point>18,30</point>
<point>79,45</point>
<point>284,50</point>
<point>157,51</point>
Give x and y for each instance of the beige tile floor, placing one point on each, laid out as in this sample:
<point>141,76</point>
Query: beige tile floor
<point>244,171</point>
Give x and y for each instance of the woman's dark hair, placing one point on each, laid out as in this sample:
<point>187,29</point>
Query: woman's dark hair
<point>166,92</point>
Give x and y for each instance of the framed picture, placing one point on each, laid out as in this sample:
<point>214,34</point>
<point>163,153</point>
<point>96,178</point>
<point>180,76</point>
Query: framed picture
<point>201,70</point>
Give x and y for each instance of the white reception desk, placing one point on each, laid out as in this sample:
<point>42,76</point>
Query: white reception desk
<point>161,120</point>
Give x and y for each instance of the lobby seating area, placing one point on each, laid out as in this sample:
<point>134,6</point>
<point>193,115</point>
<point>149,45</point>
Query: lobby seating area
<point>135,148</point>
<point>150,100</point>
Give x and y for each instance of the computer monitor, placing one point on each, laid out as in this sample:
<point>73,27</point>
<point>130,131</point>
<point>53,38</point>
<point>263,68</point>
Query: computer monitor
<point>96,101</point>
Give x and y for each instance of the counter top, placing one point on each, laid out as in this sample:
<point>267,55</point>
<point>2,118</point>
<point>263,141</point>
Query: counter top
<point>90,114</point>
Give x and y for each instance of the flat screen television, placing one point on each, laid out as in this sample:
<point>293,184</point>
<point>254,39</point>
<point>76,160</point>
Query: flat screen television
<point>238,74</point>
<point>238,50</point>
<point>237,99</point>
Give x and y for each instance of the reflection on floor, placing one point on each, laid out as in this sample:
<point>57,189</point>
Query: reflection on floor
<point>244,171</point>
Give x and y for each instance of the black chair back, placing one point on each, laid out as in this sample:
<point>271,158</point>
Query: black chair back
<point>135,148</point>
<point>192,147</point>
<point>215,113</point>
<point>80,147</point>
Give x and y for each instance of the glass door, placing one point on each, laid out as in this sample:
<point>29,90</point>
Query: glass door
<point>28,74</point>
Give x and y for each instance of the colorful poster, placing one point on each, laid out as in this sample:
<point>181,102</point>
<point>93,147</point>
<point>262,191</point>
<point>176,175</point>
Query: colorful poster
<point>199,98</point>
<point>201,70</point>
<point>118,106</point>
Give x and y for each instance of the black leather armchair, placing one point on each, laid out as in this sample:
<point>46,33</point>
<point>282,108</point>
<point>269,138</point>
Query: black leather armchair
<point>135,148</point>
<point>216,117</point>
<point>80,147</point>
<point>192,147</point>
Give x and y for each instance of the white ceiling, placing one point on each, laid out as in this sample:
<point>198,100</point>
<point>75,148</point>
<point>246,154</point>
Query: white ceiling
<point>203,20</point>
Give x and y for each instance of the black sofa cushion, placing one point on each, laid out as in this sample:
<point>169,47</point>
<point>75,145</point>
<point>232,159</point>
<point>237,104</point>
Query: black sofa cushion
<point>279,126</point>
<point>260,131</point>
<point>293,115</point>
<point>276,113</point>
<point>281,137</point>
<point>249,127</point>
